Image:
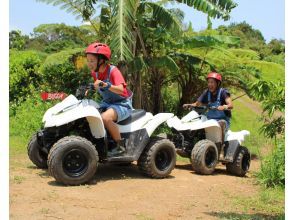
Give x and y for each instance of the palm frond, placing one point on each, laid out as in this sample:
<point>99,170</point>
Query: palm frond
<point>81,9</point>
<point>210,41</point>
<point>163,16</point>
<point>121,29</point>
<point>214,8</point>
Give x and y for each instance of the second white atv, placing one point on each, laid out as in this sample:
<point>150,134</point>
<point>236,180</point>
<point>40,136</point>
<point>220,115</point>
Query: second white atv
<point>200,139</point>
<point>73,141</point>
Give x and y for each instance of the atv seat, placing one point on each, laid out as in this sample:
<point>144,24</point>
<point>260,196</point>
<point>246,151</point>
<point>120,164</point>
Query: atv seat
<point>136,114</point>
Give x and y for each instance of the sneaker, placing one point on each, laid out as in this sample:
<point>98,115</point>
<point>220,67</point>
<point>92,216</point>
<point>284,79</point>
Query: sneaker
<point>119,149</point>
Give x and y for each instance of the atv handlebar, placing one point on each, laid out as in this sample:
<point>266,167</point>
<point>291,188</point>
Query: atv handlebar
<point>82,89</point>
<point>201,109</point>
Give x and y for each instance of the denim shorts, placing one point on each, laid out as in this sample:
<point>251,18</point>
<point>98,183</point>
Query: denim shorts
<point>122,111</point>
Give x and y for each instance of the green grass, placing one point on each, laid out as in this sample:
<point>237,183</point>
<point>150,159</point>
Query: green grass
<point>245,118</point>
<point>18,179</point>
<point>269,201</point>
<point>17,145</point>
<point>270,71</point>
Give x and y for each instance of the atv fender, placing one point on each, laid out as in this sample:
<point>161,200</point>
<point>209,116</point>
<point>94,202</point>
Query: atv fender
<point>212,128</point>
<point>156,121</point>
<point>231,148</point>
<point>70,110</point>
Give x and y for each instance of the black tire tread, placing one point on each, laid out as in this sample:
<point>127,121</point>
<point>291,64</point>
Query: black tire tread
<point>56,147</point>
<point>196,157</point>
<point>235,168</point>
<point>144,161</point>
<point>33,154</point>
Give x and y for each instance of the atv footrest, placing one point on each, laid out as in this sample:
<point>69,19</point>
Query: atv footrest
<point>121,159</point>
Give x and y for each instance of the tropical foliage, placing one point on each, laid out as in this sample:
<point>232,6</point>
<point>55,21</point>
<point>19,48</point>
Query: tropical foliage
<point>163,60</point>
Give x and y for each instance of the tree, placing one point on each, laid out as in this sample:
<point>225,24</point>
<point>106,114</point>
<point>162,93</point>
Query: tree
<point>55,37</point>
<point>128,22</point>
<point>250,38</point>
<point>272,97</point>
<point>17,40</point>
<point>277,46</point>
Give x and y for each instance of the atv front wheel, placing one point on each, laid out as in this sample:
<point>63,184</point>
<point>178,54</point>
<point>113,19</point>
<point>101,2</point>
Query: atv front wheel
<point>38,157</point>
<point>204,157</point>
<point>73,160</point>
<point>158,158</point>
<point>241,164</point>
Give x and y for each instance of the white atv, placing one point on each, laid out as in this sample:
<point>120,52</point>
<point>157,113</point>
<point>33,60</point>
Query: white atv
<point>200,139</point>
<point>73,141</point>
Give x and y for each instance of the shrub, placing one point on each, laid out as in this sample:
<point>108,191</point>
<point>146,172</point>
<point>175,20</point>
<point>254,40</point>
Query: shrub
<point>62,72</point>
<point>170,98</point>
<point>24,75</point>
<point>28,116</point>
<point>272,171</point>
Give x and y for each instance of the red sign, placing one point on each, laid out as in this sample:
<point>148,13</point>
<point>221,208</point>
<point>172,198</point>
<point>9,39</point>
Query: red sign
<point>53,96</point>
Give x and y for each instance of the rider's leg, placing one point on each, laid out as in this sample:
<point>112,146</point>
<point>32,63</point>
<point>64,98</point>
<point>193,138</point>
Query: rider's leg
<point>108,117</point>
<point>223,126</point>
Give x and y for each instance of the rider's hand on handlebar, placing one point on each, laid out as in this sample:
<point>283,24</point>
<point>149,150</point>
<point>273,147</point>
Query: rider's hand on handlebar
<point>86,93</point>
<point>221,108</point>
<point>187,106</point>
<point>98,83</point>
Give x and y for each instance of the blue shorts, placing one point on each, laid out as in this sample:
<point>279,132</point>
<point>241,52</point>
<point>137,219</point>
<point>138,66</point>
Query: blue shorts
<point>122,111</point>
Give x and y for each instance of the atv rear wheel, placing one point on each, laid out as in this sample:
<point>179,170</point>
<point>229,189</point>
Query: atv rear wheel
<point>73,160</point>
<point>158,158</point>
<point>204,157</point>
<point>38,157</point>
<point>241,164</point>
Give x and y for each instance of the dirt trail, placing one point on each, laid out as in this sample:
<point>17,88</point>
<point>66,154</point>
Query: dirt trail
<point>118,192</point>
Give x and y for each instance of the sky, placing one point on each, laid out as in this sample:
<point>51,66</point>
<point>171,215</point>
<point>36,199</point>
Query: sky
<point>266,15</point>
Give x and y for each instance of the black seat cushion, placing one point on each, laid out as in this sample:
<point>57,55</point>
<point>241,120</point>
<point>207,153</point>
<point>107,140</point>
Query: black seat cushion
<point>136,114</point>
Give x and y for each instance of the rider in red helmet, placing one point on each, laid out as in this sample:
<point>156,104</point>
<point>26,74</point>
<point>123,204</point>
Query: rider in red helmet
<point>117,99</point>
<point>218,97</point>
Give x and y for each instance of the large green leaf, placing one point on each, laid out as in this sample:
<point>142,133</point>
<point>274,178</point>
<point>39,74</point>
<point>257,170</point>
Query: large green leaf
<point>122,29</point>
<point>161,15</point>
<point>211,41</point>
<point>164,62</point>
<point>80,8</point>
<point>137,64</point>
<point>214,8</point>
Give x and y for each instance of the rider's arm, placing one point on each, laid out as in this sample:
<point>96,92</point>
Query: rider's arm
<point>227,106</point>
<point>229,103</point>
<point>197,103</point>
<point>118,89</point>
<point>200,101</point>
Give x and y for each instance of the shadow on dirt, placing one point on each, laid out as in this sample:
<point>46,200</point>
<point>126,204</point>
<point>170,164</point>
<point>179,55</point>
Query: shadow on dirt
<point>258,216</point>
<point>220,170</point>
<point>105,172</point>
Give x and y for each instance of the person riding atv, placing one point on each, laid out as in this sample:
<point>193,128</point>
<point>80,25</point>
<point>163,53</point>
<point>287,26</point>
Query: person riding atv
<point>215,96</point>
<point>109,82</point>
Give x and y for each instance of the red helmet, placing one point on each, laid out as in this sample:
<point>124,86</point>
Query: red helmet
<point>99,48</point>
<point>214,75</point>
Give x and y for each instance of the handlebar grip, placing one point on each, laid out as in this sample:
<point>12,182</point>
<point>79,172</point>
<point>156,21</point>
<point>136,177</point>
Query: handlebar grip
<point>100,84</point>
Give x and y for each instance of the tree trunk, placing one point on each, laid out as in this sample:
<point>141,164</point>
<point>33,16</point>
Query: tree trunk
<point>137,90</point>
